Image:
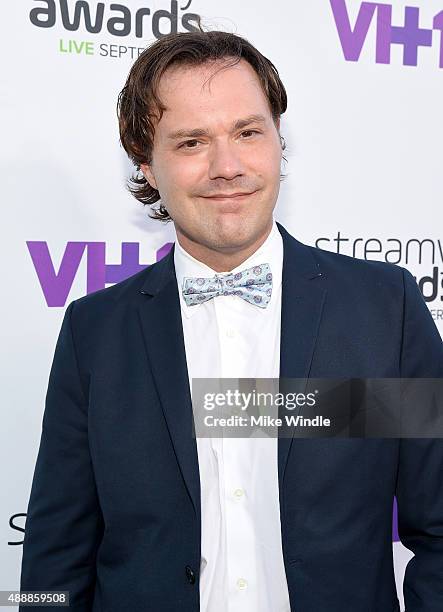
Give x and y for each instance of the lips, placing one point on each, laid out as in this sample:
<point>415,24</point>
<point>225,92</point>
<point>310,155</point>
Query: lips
<point>232,196</point>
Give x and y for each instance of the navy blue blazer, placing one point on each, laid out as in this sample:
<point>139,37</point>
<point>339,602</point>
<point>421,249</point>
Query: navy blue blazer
<point>114,509</point>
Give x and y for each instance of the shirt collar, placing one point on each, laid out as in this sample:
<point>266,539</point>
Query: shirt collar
<point>271,252</point>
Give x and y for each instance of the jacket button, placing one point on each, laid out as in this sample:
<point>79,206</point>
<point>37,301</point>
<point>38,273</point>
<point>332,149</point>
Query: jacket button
<point>190,574</point>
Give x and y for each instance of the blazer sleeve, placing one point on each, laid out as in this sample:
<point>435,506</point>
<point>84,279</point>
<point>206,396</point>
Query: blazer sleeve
<point>64,524</point>
<point>419,489</point>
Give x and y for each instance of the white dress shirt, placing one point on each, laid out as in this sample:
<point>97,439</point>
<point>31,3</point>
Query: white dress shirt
<point>242,567</point>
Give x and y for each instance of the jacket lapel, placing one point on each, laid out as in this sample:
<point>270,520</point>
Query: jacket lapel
<point>303,297</point>
<point>163,333</point>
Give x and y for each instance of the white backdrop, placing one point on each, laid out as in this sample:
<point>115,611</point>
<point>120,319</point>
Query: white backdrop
<point>363,132</point>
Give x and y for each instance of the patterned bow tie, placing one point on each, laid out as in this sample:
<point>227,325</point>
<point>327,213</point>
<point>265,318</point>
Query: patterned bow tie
<point>253,285</point>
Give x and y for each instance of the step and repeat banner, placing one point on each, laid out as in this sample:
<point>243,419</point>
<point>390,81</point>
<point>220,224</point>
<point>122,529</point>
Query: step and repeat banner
<point>363,132</point>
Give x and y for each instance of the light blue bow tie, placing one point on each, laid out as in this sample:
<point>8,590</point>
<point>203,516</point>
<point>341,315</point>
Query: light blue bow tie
<point>252,284</point>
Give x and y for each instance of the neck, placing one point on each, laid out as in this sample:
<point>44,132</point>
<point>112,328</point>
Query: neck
<point>223,259</point>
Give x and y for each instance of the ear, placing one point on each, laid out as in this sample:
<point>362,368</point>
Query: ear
<point>148,174</point>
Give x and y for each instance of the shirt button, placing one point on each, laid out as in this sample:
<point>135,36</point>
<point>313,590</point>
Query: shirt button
<point>241,583</point>
<point>230,332</point>
<point>238,493</point>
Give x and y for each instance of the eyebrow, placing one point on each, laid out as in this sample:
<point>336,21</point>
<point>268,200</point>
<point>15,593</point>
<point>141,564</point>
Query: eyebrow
<point>199,132</point>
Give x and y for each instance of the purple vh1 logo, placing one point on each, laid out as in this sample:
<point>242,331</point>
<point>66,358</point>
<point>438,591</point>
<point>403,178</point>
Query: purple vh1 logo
<point>57,285</point>
<point>410,35</point>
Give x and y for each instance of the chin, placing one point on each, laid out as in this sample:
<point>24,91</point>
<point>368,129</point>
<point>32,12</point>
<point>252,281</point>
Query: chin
<point>233,240</point>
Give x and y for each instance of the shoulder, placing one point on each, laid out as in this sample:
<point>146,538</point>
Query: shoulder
<point>341,267</point>
<point>119,291</point>
<point>312,260</point>
<point>90,313</point>
<point>344,274</point>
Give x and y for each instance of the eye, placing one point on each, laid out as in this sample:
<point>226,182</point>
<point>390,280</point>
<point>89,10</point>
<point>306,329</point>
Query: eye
<point>188,144</point>
<point>250,132</point>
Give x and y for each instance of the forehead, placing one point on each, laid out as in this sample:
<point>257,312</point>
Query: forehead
<point>213,90</point>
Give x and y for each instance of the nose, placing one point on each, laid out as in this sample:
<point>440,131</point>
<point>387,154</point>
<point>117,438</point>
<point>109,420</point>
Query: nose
<point>225,160</point>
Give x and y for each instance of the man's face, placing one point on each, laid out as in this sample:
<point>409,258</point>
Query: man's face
<point>216,139</point>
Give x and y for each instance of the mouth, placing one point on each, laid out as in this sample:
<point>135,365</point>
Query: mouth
<point>233,197</point>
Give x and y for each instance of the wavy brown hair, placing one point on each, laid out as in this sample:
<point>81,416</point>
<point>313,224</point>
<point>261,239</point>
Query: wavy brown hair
<point>139,106</point>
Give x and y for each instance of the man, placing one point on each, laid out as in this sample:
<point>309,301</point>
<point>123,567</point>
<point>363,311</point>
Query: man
<point>128,511</point>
